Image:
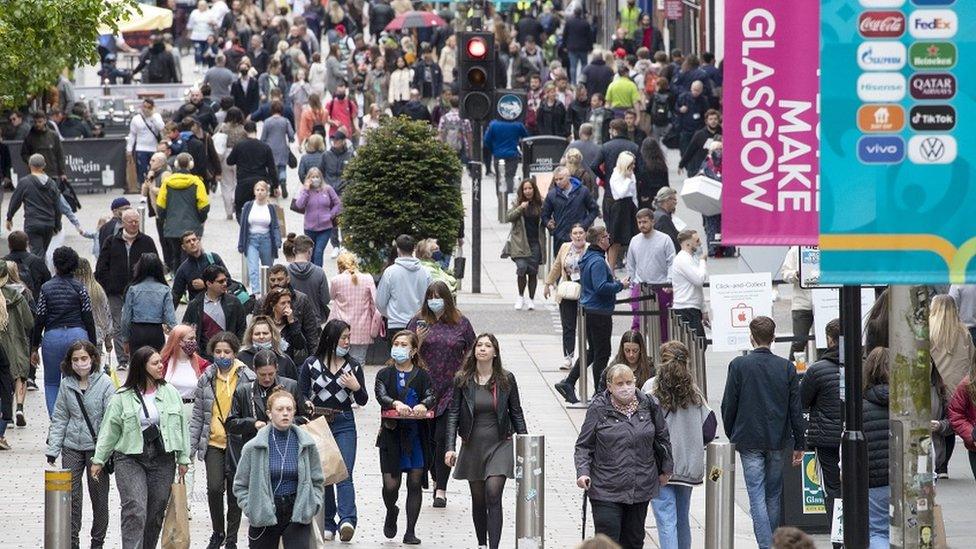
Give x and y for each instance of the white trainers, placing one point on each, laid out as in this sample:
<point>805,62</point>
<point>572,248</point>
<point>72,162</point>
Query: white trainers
<point>529,304</point>
<point>335,253</point>
<point>346,531</point>
<point>518,303</point>
<point>328,535</point>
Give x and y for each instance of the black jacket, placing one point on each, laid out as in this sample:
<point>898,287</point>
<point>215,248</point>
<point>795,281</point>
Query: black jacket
<point>577,114</point>
<point>161,65</point>
<point>190,270</point>
<point>391,438</point>
<point>529,26</point>
<point>551,120</point>
<point>380,15</point>
<point>236,319</point>
<point>436,79</point>
<point>761,405</point>
<point>820,395</point>
<point>286,366</point>
<point>508,409</point>
<point>694,156</point>
<point>597,77</point>
<point>41,201</point>
<point>255,162</point>
<point>604,164</point>
<point>877,431</point>
<point>578,35</point>
<point>46,143</point>
<point>33,266</point>
<point>246,100</point>
<point>115,263</point>
<point>249,404</point>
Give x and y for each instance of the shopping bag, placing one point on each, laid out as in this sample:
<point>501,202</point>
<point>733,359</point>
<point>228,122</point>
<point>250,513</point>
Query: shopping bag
<point>176,522</point>
<point>332,465</point>
<point>280,212</point>
<point>316,533</point>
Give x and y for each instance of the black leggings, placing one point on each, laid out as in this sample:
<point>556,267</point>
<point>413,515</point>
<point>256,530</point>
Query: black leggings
<point>486,509</point>
<point>391,491</point>
<point>532,280</point>
<point>441,471</point>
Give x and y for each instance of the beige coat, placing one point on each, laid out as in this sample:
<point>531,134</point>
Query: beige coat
<point>556,271</point>
<point>954,363</point>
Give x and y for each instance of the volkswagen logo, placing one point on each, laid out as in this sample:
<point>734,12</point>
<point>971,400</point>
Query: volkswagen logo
<point>933,149</point>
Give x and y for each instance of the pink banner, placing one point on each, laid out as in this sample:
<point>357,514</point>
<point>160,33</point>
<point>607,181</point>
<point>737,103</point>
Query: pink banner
<point>770,171</point>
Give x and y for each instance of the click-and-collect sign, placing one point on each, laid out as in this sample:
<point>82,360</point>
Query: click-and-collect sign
<point>897,201</point>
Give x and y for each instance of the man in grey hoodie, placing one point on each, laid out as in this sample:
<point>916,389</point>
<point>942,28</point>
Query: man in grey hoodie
<point>308,277</point>
<point>402,287</point>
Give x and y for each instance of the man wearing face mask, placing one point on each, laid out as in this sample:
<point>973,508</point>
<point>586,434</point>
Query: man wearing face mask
<point>334,162</point>
<point>342,113</point>
<point>688,276</point>
<point>244,90</point>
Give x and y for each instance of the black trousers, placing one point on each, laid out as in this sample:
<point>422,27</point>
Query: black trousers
<point>621,522</point>
<point>285,533</point>
<point>802,322</point>
<point>568,311</point>
<point>599,329</point>
<point>441,471</point>
<point>219,483</point>
<point>144,333</point>
<point>39,239</point>
<point>829,459</point>
<point>694,319</point>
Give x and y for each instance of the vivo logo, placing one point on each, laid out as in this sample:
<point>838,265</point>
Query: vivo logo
<point>881,56</point>
<point>881,87</point>
<point>881,150</point>
<point>933,23</point>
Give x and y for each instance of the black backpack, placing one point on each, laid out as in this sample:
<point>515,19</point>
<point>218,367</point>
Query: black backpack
<point>660,110</point>
<point>23,269</point>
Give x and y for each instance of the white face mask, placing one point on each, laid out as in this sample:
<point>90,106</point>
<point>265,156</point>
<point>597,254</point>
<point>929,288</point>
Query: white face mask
<point>81,368</point>
<point>624,393</point>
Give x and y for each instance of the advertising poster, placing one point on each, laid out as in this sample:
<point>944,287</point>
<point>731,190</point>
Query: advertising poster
<point>897,152</point>
<point>736,300</point>
<point>91,164</point>
<point>769,160</point>
<point>826,307</point>
<point>813,496</point>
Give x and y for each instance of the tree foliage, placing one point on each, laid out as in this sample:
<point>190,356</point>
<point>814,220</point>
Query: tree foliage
<point>40,38</point>
<point>402,181</point>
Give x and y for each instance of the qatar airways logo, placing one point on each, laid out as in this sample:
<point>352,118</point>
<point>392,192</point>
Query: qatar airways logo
<point>882,24</point>
<point>881,56</point>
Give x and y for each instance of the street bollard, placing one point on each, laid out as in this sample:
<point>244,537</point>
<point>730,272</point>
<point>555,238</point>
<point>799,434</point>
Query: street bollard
<point>654,329</point>
<point>141,208</point>
<point>530,501</point>
<point>719,495</point>
<point>500,190</point>
<point>547,253</point>
<point>700,365</point>
<point>245,279</point>
<point>57,509</point>
<point>264,280</point>
<point>584,375</point>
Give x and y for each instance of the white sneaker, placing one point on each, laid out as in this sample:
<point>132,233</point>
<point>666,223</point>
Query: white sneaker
<point>518,303</point>
<point>346,531</point>
<point>567,363</point>
<point>335,253</point>
<point>328,535</point>
<point>529,304</point>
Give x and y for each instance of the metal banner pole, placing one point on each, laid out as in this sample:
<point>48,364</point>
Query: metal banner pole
<point>57,509</point>
<point>654,326</point>
<point>265,284</point>
<point>719,495</point>
<point>530,482</point>
<point>584,377</point>
<point>245,279</point>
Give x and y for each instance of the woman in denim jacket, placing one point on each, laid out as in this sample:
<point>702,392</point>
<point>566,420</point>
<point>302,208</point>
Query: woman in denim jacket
<point>148,304</point>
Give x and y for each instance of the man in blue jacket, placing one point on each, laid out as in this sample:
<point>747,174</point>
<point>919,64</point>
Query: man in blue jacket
<point>502,139</point>
<point>567,204</point>
<point>598,298</point>
<point>760,411</point>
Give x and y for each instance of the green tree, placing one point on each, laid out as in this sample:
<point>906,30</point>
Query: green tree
<point>403,180</point>
<point>39,38</point>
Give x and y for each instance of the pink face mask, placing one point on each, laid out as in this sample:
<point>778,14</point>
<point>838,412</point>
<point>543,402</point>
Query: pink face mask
<point>624,393</point>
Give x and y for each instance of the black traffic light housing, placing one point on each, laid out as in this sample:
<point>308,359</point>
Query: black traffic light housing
<point>476,73</point>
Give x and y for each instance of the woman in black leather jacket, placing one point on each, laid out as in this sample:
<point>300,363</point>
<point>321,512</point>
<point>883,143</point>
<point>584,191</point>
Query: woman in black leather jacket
<point>487,411</point>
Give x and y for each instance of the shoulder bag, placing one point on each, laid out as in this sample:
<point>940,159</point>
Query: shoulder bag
<point>567,289</point>
<point>109,466</point>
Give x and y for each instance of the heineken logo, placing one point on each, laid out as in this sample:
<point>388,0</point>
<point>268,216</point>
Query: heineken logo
<point>933,55</point>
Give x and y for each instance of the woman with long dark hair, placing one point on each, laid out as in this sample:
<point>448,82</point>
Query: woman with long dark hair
<point>332,380</point>
<point>524,244</point>
<point>877,431</point>
<point>446,337</point>
<point>487,411</point>
<point>405,393</point>
<point>144,427</point>
<point>653,173</point>
<point>148,305</point>
<point>278,307</point>
<point>691,425</point>
<point>633,352</point>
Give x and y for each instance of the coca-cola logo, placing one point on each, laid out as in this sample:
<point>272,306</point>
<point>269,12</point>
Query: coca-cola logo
<point>882,24</point>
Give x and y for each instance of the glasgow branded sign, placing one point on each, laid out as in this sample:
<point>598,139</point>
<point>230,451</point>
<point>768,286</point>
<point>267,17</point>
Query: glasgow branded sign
<point>933,55</point>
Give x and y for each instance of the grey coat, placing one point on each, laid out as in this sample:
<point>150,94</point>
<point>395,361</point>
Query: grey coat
<point>68,427</point>
<point>277,134</point>
<point>203,408</point>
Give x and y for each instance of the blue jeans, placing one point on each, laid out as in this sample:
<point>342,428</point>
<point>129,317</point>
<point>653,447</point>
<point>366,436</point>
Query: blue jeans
<point>576,61</point>
<point>671,508</point>
<point>283,178</point>
<point>142,164</point>
<point>321,239</point>
<point>344,431</point>
<point>54,346</point>
<point>259,253</point>
<point>763,472</point>
<point>199,46</point>
<point>878,516</point>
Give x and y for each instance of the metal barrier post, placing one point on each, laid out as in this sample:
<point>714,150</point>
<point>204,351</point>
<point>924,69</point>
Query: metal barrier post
<point>699,353</point>
<point>57,509</point>
<point>642,321</point>
<point>245,279</point>
<point>654,329</point>
<point>547,253</point>
<point>530,481</point>
<point>719,495</point>
<point>584,377</point>
<point>141,208</point>
<point>500,189</point>
<point>265,285</point>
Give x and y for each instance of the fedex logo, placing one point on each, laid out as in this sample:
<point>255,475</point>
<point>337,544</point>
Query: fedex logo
<point>933,24</point>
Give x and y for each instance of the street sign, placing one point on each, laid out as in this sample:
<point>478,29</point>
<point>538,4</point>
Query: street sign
<point>736,300</point>
<point>896,161</point>
<point>674,10</point>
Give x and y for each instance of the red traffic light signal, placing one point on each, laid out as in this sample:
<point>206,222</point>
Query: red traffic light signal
<point>477,47</point>
<point>476,74</point>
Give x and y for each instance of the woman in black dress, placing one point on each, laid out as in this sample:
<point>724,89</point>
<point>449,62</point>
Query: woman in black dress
<point>487,411</point>
<point>405,388</point>
<point>653,173</point>
<point>620,206</point>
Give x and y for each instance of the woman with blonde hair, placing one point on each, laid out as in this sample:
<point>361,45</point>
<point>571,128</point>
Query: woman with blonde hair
<point>314,151</point>
<point>354,302</point>
<point>429,253</point>
<point>951,345</point>
<point>263,335</point>
<point>620,205</point>
<point>577,169</point>
<point>691,425</point>
<point>100,308</point>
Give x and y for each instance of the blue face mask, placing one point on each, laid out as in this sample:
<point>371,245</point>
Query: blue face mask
<point>342,351</point>
<point>437,256</point>
<point>223,362</point>
<point>266,346</point>
<point>436,305</point>
<point>400,354</point>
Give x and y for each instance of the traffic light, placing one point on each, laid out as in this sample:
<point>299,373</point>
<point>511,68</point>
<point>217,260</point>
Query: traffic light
<point>476,72</point>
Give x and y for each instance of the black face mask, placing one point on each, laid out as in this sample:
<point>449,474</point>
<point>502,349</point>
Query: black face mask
<point>340,96</point>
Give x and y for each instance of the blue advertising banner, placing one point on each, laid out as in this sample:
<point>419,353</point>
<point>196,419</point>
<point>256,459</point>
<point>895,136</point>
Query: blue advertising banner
<point>898,138</point>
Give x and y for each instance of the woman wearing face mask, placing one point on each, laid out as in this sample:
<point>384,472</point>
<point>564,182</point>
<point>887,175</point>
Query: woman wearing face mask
<point>262,335</point>
<point>354,301</point>
<point>320,204</point>
<point>446,337</point>
<point>278,308</point>
<point>332,380</point>
<point>613,463</point>
<point>84,396</point>
<point>145,428</point>
<point>487,411</point>
<point>565,272</point>
<point>405,388</point>
<point>633,353</point>
<point>208,438</point>
<point>284,458</point>
<point>429,253</point>
<point>260,234</point>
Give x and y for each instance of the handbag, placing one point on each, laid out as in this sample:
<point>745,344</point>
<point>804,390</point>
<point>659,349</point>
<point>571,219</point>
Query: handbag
<point>333,467</point>
<point>150,435</point>
<point>292,161</point>
<point>109,466</point>
<point>460,262</point>
<point>295,207</point>
<point>567,289</point>
<point>176,522</point>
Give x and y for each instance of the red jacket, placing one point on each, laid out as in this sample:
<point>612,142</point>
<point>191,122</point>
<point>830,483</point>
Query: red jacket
<point>962,414</point>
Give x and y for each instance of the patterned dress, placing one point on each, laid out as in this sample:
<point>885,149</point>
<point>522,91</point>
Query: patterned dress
<point>443,350</point>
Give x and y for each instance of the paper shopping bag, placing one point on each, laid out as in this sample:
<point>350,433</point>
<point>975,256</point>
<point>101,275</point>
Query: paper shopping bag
<point>176,522</point>
<point>280,212</point>
<point>332,465</point>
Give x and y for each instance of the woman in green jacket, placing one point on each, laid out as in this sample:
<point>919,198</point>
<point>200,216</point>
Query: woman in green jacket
<point>280,489</point>
<point>524,244</point>
<point>146,430</point>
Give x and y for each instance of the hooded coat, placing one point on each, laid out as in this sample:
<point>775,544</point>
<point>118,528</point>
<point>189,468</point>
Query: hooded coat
<point>310,279</point>
<point>182,204</point>
<point>401,291</point>
<point>567,209</point>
